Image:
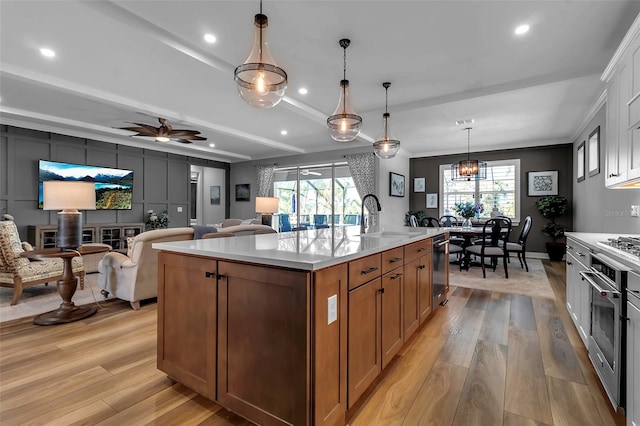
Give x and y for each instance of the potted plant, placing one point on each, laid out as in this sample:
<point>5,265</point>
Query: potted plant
<point>552,207</point>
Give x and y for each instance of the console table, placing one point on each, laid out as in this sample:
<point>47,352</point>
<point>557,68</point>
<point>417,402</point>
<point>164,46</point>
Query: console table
<point>68,311</point>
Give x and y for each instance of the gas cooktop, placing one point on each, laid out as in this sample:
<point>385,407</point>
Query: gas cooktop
<point>626,247</point>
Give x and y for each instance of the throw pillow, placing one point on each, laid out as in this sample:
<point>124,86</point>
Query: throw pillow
<point>200,230</point>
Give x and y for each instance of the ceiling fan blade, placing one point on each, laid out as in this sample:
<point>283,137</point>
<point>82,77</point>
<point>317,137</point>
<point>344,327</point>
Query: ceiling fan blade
<point>155,130</point>
<point>181,140</point>
<point>184,132</point>
<point>197,138</point>
<point>140,130</point>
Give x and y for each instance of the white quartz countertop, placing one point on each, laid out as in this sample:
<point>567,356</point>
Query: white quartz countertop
<point>307,250</point>
<point>591,239</point>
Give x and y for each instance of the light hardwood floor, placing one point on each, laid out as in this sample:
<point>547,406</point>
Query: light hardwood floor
<point>487,358</point>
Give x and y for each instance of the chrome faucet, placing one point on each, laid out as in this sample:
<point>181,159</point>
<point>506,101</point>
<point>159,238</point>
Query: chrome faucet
<point>363,227</point>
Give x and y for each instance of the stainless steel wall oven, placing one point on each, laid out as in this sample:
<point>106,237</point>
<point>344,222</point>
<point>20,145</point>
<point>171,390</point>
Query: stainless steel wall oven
<point>607,336</point>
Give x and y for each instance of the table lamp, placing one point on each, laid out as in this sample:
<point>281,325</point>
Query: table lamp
<point>69,197</point>
<point>266,206</point>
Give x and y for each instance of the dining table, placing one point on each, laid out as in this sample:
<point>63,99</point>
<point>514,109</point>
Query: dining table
<point>469,234</point>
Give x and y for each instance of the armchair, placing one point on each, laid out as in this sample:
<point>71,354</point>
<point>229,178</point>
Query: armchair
<point>19,272</point>
<point>134,276</point>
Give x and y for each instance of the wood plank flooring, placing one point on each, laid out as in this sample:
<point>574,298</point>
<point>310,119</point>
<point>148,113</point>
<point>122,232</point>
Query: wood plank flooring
<point>487,358</point>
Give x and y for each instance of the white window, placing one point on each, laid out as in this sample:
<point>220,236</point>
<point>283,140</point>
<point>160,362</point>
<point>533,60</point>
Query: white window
<point>501,190</point>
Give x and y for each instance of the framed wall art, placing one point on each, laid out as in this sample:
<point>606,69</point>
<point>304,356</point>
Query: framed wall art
<point>243,192</point>
<point>215,195</point>
<point>419,184</point>
<point>396,184</point>
<point>543,183</point>
<point>580,165</point>
<point>432,200</point>
<point>594,152</point>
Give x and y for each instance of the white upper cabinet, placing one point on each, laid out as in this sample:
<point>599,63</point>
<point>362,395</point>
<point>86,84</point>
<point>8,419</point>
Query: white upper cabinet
<point>622,139</point>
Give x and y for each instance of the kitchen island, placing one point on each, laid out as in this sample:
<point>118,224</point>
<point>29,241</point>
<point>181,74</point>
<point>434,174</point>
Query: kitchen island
<point>291,328</point>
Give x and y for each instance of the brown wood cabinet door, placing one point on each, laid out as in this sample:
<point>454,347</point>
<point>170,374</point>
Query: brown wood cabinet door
<point>411,317</point>
<point>330,345</point>
<point>264,343</point>
<point>392,333</point>
<point>425,294</point>
<point>187,321</point>
<point>364,363</point>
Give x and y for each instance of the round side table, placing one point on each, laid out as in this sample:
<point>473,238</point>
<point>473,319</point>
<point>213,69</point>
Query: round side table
<point>67,284</point>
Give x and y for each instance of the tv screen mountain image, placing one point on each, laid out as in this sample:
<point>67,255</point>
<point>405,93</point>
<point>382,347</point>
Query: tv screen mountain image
<point>114,187</point>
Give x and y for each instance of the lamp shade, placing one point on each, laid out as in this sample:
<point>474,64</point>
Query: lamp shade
<point>266,205</point>
<point>65,195</point>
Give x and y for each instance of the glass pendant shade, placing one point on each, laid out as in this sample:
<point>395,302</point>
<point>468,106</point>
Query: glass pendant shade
<point>259,80</point>
<point>386,146</point>
<point>469,169</point>
<point>344,124</point>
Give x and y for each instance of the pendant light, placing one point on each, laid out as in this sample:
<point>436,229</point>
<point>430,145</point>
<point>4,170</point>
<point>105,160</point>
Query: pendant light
<point>260,82</point>
<point>386,146</point>
<point>469,169</point>
<point>344,125</point>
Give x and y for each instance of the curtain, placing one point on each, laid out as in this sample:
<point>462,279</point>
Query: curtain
<point>362,169</point>
<point>265,179</point>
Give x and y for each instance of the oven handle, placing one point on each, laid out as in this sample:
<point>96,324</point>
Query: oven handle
<point>587,276</point>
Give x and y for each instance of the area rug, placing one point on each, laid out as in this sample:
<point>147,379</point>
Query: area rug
<point>533,283</point>
<point>40,299</point>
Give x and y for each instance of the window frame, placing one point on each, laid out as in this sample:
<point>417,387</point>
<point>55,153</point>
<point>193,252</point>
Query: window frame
<point>495,163</point>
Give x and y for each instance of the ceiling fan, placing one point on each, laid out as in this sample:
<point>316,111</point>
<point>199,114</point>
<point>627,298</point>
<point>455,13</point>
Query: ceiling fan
<point>307,172</point>
<point>165,132</point>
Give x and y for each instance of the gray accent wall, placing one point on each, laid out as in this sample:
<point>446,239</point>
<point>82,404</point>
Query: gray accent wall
<point>596,208</point>
<point>161,180</point>
<point>555,157</point>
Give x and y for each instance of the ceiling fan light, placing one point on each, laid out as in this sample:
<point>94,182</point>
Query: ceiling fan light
<point>162,139</point>
<point>344,124</point>
<point>259,80</point>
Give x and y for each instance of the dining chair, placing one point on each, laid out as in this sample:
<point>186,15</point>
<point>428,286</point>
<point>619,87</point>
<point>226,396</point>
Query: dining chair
<point>449,221</point>
<point>430,222</point>
<point>520,246</point>
<point>285,224</point>
<point>413,221</point>
<point>493,231</point>
<point>319,219</point>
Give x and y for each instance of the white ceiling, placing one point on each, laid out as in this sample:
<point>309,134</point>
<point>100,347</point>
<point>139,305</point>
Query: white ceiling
<point>133,61</point>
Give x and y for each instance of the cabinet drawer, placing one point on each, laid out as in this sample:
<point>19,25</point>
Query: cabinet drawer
<point>392,259</point>
<point>579,251</point>
<point>364,269</point>
<point>415,250</point>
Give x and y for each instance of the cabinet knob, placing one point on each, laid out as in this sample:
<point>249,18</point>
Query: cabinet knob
<point>381,290</point>
<point>210,274</point>
<point>613,175</point>
<point>569,263</point>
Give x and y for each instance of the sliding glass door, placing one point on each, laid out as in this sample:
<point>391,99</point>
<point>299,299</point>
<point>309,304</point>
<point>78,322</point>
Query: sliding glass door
<point>316,197</point>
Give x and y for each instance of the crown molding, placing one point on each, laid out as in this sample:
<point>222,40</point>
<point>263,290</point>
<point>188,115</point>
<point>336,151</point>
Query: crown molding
<point>633,32</point>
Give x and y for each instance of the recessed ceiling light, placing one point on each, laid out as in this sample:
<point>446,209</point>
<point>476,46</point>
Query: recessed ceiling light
<point>212,145</point>
<point>47,52</point>
<point>283,132</point>
<point>303,91</point>
<point>210,38</point>
<point>522,29</point>
<point>465,121</point>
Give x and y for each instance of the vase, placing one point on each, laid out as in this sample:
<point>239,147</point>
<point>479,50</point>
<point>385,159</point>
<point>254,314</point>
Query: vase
<point>467,224</point>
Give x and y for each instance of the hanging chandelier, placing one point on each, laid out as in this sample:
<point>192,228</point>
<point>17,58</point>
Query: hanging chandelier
<point>344,124</point>
<point>469,169</point>
<point>259,80</point>
<point>386,146</point>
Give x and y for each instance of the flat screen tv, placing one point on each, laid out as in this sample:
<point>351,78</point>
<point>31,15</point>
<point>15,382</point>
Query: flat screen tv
<point>114,187</point>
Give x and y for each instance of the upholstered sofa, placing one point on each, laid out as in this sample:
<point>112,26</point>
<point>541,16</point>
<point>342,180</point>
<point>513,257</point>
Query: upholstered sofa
<point>19,272</point>
<point>241,227</point>
<point>134,277</point>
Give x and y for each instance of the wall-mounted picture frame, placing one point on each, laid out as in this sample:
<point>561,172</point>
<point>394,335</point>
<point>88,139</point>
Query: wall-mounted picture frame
<point>243,192</point>
<point>543,183</point>
<point>396,184</point>
<point>419,184</point>
<point>432,200</point>
<point>215,195</point>
<point>594,152</point>
<point>580,165</point>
